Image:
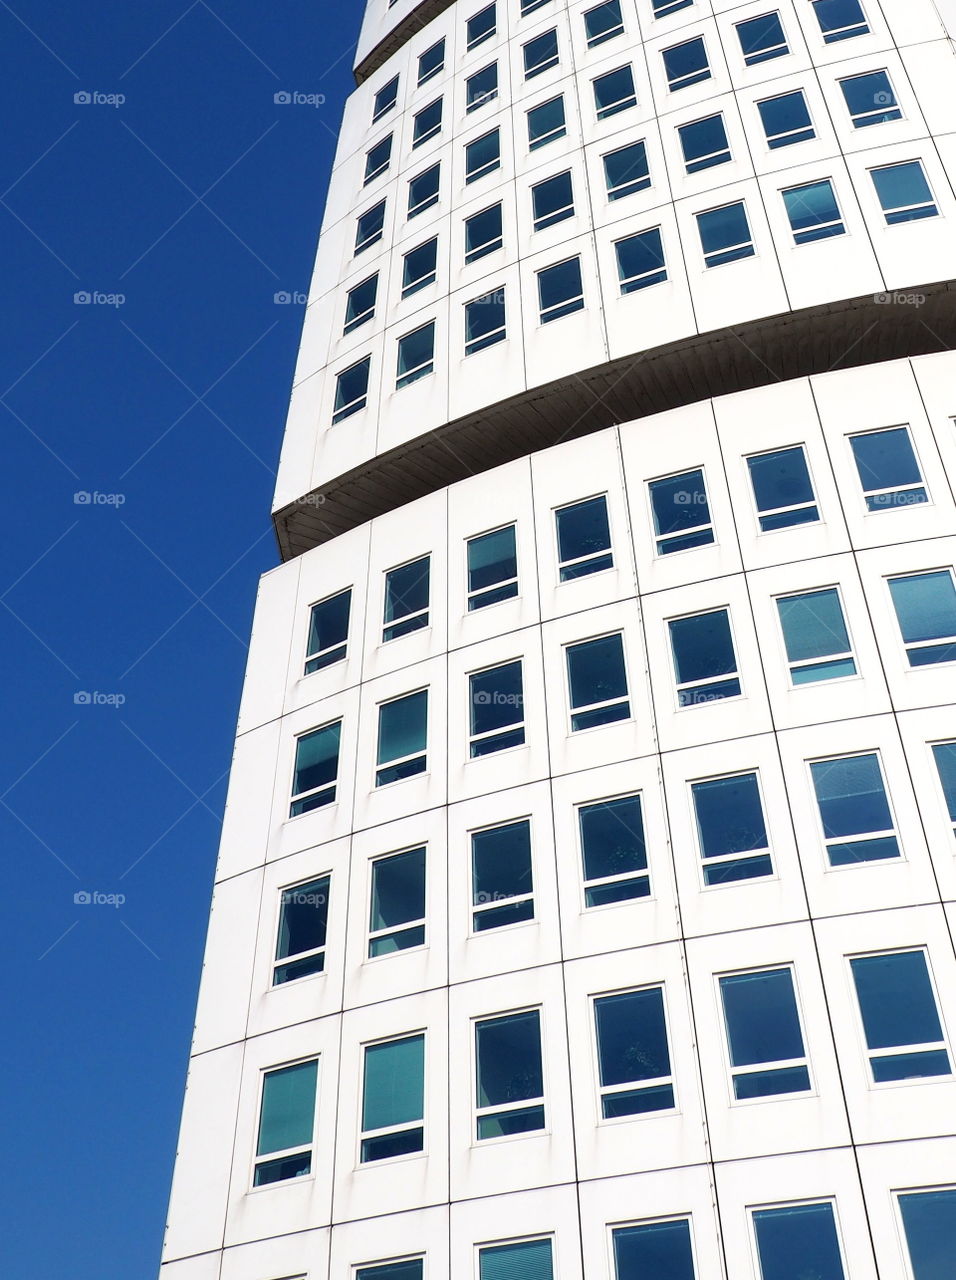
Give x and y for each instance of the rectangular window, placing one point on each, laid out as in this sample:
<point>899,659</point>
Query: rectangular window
<point>904,1035</point>
<point>725,234</point>
<point>731,830</point>
<point>517,1260</point>
<point>496,699</point>
<point>762,39</point>
<point>481,88</point>
<point>613,851</point>
<point>416,355</point>
<point>929,1223</point>
<point>406,598</point>
<point>925,605</point>
<point>407,1269</point>
<point>798,1240</point>
<point>492,568</point>
<point>286,1123</point>
<point>584,539</point>
<point>402,738</point>
<point>385,99</point>
<point>603,22</point>
<point>664,7</point>
<point>786,119</point>
<point>540,54</point>
<point>351,390</point>
<point>510,1076</point>
<point>681,513</point>
<point>704,143</point>
<point>654,1249</point>
<point>419,267</point>
<point>502,889</point>
<point>529,6</point>
<point>597,682</point>
<point>369,227</point>
<point>431,62</point>
<point>626,171</point>
<point>480,27</point>
<point>328,631</point>
<point>546,123</point>
<point>423,190</point>
<point>870,99</point>
<point>316,769</point>
<point>482,156</point>
<point>560,290</point>
<point>840,19</point>
<point>813,211</point>
<point>634,1062</point>
<point>854,809</point>
<point>686,64</point>
<point>764,1038</point>
<point>397,910</point>
<point>816,638</point>
<point>888,470</point>
<point>704,660</point>
<point>640,261</point>
<point>903,192</point>
<point>614,92</point>
<point>783,491</point>
<point>300,939</point>
<point>552,201</point>
<point>483,233</point>
<point>944,754</point>
<point>360,303</point>
<point>378,159</point>
<point>485,321</point>
<point>393,1098</point>
<point>426,123</point>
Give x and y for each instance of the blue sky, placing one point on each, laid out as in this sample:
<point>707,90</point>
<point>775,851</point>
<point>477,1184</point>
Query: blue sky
<point>181,212</point>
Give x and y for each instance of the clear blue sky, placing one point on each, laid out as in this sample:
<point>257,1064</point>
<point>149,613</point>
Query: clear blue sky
<point>199,199</point>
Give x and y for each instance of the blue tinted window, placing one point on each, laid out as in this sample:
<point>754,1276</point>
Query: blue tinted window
<point>402,736</point>
<point>510,1078</point>
<point>481,88</point>
<point>368,228</point>
<point>681,512</point>
<point>552,201</point>
<point>762,39</point>
<point>840,19</point>
<point>431,62</point>
<point>316,769</point>
<point>613,851</point>
<point>351,390</point>
<point>929,1221</point>
<point>485,321</point>
<point>813,212</point>
<point>482,156</point>
<point>686,64</point>
<point>501,880</point>
<point>815,634</point>
<point>603,22</point>
<point>633,1059</point>
<point>410,1269</point>
<point>782,489</point>
<point>898,1008</point>
<point>560,290</point>
<point>763,1032</point>
<point>854,809</point>
<point>546,123</point>
<point>944,753</point>
<point>328,631</point>
<point>483,233</point>
<point>406,598</point>
<point>870,99</point>
<point>426,123</point>
<point>377,160</point>
<point>522,1260</point>
<point>704,658</point>
<point>393,1098</point>
<point>385,99</point>
<point>496,701</point>
<point>286,1123</point>
<point>360,303</point>
<point>416,355</point>
<point>786,119</point>
<point>423,190</point>
<point>626,171</point>
<point>654,1251</point>
<point>614,92</point>
<point>640,260</point>
<point>664,7</point>
<point>480,27</point>
<point>303,923</point>
<point>731,829</point>
<point>397,911</point>
<point>597,681</point>
<point>419,267</point>
<point>925,605</point>
<point>540,54</point>
<point>584,538</point>
<point>704,143</point>
<point>725,235</point>
<point>888,470</point>
<point>903,192</point>
<point>492,568</point>
<point>798,1241</point>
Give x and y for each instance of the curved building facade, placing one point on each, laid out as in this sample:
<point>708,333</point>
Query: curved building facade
<point>587,887</point>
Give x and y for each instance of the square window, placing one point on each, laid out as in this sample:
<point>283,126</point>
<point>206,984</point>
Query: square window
<point>485,321</point>
<point>944,754</point>
<point>681,513</point>
<point>798,1239</point>
<point>385,99</point>
<point>546,123</point>
<point>603,22</point>
<point>704,143</point>
<point>516,1260</point>
<point>480,27</point>
<point>888,470</point>
<point>783,491</point>
<point>786,120</point>
<point>397,910</point>
<point>614,92</point>
<point>416,355</point>
<point>496,702</point>
<point>929,1224</point>
<point>483,233</point>
<point>540,54</point>
<point>634,1062</point>
<point>597,682</point>
<point>408,1269</point>
<point>423,190</point>
<point>854,809</point>
<point>731,829</point>
<point>584,539</point>
<point>552,201</point>
<point>328,631</point>
<point>925,605</point>
<point>431,62</point>
<point>560,291</point>
<point>316,769</point>
<point>502,889</point>
<point>613,851</point>
<point>686,64</point>
<point>762,39</point>
<point>904,1035</point>
<point>360,304</point>
<point>406,598</point>
<point>640,261</point>
<point>725,235</point>
<point>426,123</point>
<point>626,171</point>
<point>419,267</point>
<point>870,99</point>
<point>903,192</point>
<point>813,211</point>
<point>482,156</point>
<point>816,638</point>
<point>351,390</point>
<point>481,88</point>
<point>840,19</point>
<point>378,159</point>
<point>300,938</point>
<point>492,568</point>
<point>704,660</point>
<point>767,1056</point>
<point>509,1075</point>
<point>402,738</point>
<point>286,1123</point>
<point>658,1249</point>
<point>393,1098</point>
<point>369,227</point>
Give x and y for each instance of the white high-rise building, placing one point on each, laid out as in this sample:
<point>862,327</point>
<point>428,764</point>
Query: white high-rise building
<point>587,888</point>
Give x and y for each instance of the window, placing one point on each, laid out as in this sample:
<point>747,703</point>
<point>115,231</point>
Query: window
<point>517,1260</point>
<point>409,1269</point>
<point>798,1240</point>
<point>483,233</point>
<point>416,355</point>
<point>925,605</point>
<point>813,211</point>
<point>782,489</point>
<point>393,1098</point>
<point>351,390</point>
<point>501,882</point>
<point>529,6</point>
<point>903,192</point>
<point>944,753</point>
<point>423,190</point>
<point>640,261</point>
<point>840,19</point>
<point>626,171</point>
<point>767,1056</point>
<point>426,123</point>
<point>686,64</point>
<point>888,470</point>
<point>360,303</point>
<point>496,698</point>
<point>480,27</point>
<point>725,235</point>
<point>904,1035</point>
<point>300,941</point>
<point>614,92</point>
<point>634,1064</point>
<point>552,201</point>
<point>510,1077</point>
<point>854,809</point>
<point>560,291</point>
<point>286,1123</point>
<point>654,1248</point>
<point>704,658</point>
<point>664,7</point>
<point>485,321</point>
<point>613,851</point>
<point>419,267</point>
<point>546,123</point>
<point>402,737</point>
<point>584,539</point>
<point>431,62</point>
<point>762,39</point>
<point>870,99</point>
<point>731,830</point>
<point>540,54</point>
<point>316,769</point>
<point>397,912</point>
<point>369,227</point>
<point>704,143</point>
<point>328,631</point>
<point>603,22</point>
<point>481,88</point>
<point>482,156</point>
<point>597,682</point>
<point>929,1222</point>
<point>814,632</point>
<point>681,512</point>
<point>377,160</point>
<point>385,99</point>
<point>492,568</point>
<point>406,598</point>
<point>786,120</point>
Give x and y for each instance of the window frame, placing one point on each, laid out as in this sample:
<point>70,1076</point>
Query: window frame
<point>922,1189</point>
<point>379,112</point>
<point>541,222</point>
<point>484,909</point>
<point>473,255</point>
<point>688,78</point>
<point>357,404</point>
<point>796,507</point>
<point>310,656</point>
<point>489,166</point>
<point>638,876</point>
<point>488,736</point>
<point>432,198</point>
<point>904,1049</point>
<point>633,185</point>
<point>349,326</point>
<point>609,33</point>
<point>766,53</point>
<point>820,230</point>
<point>566,306</point>
<point>805,133</point>
<point>551,60</point>
<point>424,368</point>
<point>297,797</point>
<point>577,562</point>
<point>361,245</point>
<point>382,168</point>
<point>710,159</point>
<point>487,33</point>
<point>472,594</point>
<point>861,119</point>
<point>855,837</point>
<point>492,1111</point>
<point>661,538</point>
<point>400,762</point>
<point>419,139</point>
<point>286,1153</point>
<point>606,704</point>
<point>949,809</point>
<point>408,1126</point>
<point>435,70</point>
<point>658,1220</point>
<point>298,957</point>
<point>389,624</point>
<point>737,857</point>
<point>422,282</point>
<point>880,496</point>
<point>475,103</point>
<point>644,279</point>
<point>404,926</point>
<point>691,686</point>
<point>912,646</point>
<point>494,1245</point>
<point>619,104</point>
<point>603,1091</point>
<point>837,34</point>
<point>900,215</point>
<point>810,664</point>
<point>537,141</point>
<point>725,255</point>
<point>770,1064</point>
<point>493,336</point>
<point>368,1270</point>
<point>795,1204</point>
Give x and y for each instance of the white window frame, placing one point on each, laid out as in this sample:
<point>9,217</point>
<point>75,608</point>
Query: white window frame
<point>473,346</point>
<point>932,203</point>
<point>348,326</point>
<point>619,104</point>
<point>544,316</point>
<point>590,555</point>
<point>709,680</point>
<point>791,1204</point>
<point>478,1113</point>
<point>698,160</point>
<point>400,760</point>
<point>697,528</point>
<point>419,140</point>
<point>645,180</point>
<point>342,644</point>
<point>795,506</point>
<point>372,935</point>
<point>776,1064</point>
<point>299,955</point>
<point>896,488</point>
<point>769,53</point>
<point>394,1129</point>
<point>482,908</point>
<point>774,137</point>
<point>623,877</point>
<point>592,42</point>
<point>295,797</point>
<point>490,165</point>
<point>553,60</point>
<point>490,734</point>
<point>628,1086</point>
<point>854,836</point>
<point>479,251</point>
<point>560,131</point>
<point>413,210</point>
<point>288,1152</point>
<point>504,582</point>
<point>920,644</point>
<point>836,36</point>
<point>727,859</point>
<point>423,370</point>
<point>405,617</point>
<point>623,700</point>
<point>803,663</point>
<point>895,1051</point>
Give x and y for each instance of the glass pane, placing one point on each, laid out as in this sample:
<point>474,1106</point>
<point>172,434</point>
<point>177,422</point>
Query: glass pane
<point>551,197</point>
<point>509,1059</point>
<point>409,1270</point>
<point>524,1260</point>
<point>702,139</point>
<point>604,895</point>
<point>560,283</point>
<point>632,1037</point>
<point>546,121</point>
<point>402,727</point>
<point>614,92</point>
<point>583,529</point>
<point>702,646</point>
<point>929,1220</point>
<point>654,1251</point>
<point>377,159</point>
<point>724,228</point>
<point>406,589</point>
<point>480,26</point>
<point>840,19</point>
<point>481,87</point>
<point>810,208</point>
<point>420,264</point>
<point>497,698</point>
<point>298,969</point>
<point>612,837</point>
<point>896,999</point>
<point>686,64</point>
<point>394,1083</point>
<point>813,625</point>
<point>483,229</point>
<point>944,754</point>
<point>350,389</point>
<point>851,796</point>
<point>899,185</point>
<point>798,1241</point>
<point>501,863</point>
<point>762,38</point>
<point>316,758</point>
<point>885,459</point>
<point>416,349</point>
<point>603,22</point>
<point>679,503</point>
<point>729,815</point>
<point>871,97</point>
<point>385,98</point>
<point>780,479</point>
<point>361,302</point>
<point>329,623</point>
<point>596,671</point>
<point>431,61</point>
<point>287,1116</point>
<point>483,152</point>
<point>303,918</point>
<point>540,53</point>
<point>786,119</point>
<point>485,320</point>
<point>398,889</point>
<point>910,1066</point>
<point>492,558</point>
<point>626,170</point>
<point>760,1010</point>
<point>281,1170</point>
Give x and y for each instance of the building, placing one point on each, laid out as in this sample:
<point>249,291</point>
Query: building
<point>586,895</point>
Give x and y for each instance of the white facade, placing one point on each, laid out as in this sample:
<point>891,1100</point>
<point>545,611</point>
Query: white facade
<point>743,983</point>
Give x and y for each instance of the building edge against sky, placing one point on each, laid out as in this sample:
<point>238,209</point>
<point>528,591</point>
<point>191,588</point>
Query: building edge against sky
<point>585,902</point>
